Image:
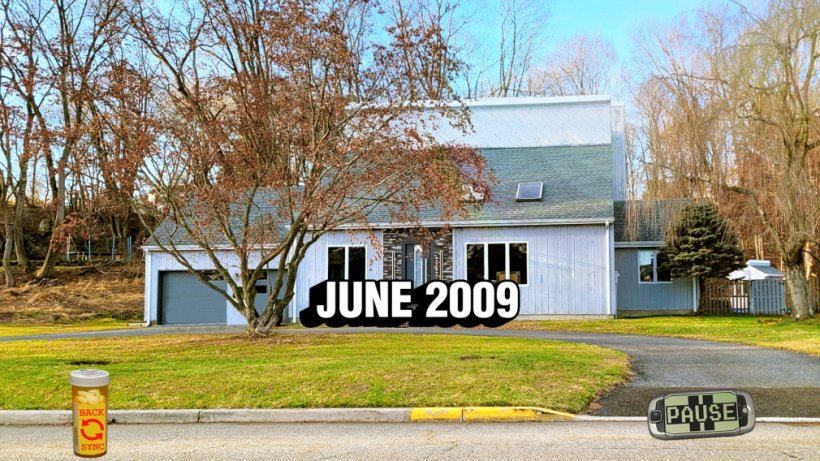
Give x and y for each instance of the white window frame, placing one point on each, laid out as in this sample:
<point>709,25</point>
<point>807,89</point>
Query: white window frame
<point>655,280</point>
<point>347,259</point>
<point>506,258</point>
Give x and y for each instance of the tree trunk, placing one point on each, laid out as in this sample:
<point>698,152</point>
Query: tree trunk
<point>272,317</point>
<point>122,231</point>
<point>802,306</point>
<point>20,248</point>
<point>49,263</point>
<point>19,235</point>
<point>9,227</point>
<point>250,310</point>
<point>53,253</point>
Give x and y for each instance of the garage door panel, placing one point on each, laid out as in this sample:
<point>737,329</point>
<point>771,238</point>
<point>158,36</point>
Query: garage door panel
<point>194,316</point>
<point>186,300</point>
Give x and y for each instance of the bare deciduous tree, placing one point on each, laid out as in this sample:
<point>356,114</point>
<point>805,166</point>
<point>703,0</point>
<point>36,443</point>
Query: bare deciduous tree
<point>121,134</point>
<point>269,142</point>
<point>732,113</point>
<point>73,40</point>
<point>26,89</point>
<point>578,66</point>
<point>9,131</point>
<point>426,31</point>
<point>523,24</point>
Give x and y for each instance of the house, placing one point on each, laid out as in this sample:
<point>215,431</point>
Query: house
<point>553,227</point>
<point>643,287</point>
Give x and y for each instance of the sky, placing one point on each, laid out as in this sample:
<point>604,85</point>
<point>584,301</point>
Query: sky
<point>616,21</point>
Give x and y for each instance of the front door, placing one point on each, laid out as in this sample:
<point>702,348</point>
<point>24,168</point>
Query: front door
<point>416,264</point>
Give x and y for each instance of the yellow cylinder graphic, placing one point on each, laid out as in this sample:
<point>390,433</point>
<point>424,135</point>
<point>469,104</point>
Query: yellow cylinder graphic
<point>89,403</point>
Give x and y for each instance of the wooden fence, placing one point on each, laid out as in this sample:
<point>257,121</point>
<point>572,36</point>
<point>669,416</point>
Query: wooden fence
<point>814,291</point>
<point>755,297</point>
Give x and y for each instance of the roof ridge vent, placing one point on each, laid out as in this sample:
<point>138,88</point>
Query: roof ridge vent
<point>759,262</point>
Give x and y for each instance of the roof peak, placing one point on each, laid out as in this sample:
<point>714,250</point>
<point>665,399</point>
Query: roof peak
<point>534,100</point>
<point>541,148</point>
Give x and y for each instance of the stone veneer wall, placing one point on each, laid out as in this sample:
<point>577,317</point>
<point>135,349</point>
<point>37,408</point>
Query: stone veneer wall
<point>442,254</point>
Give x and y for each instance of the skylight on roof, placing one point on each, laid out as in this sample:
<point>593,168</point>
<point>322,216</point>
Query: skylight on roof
<point>529,191</point>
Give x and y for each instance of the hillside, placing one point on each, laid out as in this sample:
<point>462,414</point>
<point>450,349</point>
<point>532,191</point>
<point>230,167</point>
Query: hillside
<point>75,294</point>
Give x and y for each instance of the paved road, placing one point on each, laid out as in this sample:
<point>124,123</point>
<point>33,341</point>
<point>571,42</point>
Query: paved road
<point>413,441</point>
<point>781,383</point>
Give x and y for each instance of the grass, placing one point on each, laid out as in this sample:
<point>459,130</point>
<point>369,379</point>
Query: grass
<point>332,370</point>
<point>773,332</point>
<point>23,329</point>
<point>74,295</point>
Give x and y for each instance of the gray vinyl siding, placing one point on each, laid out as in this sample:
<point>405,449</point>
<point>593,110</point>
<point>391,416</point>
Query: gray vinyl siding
<point>618,153</point>
<point>313,269</point>
<point>566,266</point>
<point>635,296</point>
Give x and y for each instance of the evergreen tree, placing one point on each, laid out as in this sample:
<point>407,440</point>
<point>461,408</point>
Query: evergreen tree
<point>700,244</point>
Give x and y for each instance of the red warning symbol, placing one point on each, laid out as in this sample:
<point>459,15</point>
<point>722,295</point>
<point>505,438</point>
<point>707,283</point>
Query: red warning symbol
<point>95,436</point>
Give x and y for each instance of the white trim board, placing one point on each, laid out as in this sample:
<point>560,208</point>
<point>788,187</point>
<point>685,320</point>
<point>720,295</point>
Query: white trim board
<point>490,223</point>
<point>641,244</point>
<point>459,224</point>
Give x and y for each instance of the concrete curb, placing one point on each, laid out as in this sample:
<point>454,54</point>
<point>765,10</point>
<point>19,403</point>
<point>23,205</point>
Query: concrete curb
<point>774,419</point>
<point>642,419</point>
<point>610,419</point>
<point>307,415</point>
<point>294,415</point>
<point>336,415</point>
<point>153,416</point>
<point>34,417</point>
<point>288,415</point>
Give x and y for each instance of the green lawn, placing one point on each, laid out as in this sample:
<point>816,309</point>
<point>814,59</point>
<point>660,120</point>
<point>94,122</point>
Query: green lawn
<point>296,370</point>
<point>774,332</point>
<point>22,329</point>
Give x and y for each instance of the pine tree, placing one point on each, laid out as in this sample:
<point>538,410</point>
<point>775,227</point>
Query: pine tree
<point>700,244</point>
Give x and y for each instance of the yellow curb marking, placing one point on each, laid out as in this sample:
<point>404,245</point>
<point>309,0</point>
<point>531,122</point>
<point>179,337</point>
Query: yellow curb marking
<point>513,414</point>
<point>476,414</point>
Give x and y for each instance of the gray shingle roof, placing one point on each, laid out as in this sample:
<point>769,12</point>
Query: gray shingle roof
<point>577,186</point>
<point>645,220</point>
<point>263,211</point>
<point>766,269</point>
<point>577,183</point>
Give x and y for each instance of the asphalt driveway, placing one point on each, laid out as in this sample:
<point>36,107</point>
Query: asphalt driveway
<point>782,383</point>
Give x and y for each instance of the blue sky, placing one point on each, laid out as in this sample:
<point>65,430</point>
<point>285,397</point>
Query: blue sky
<point>616,21</point>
